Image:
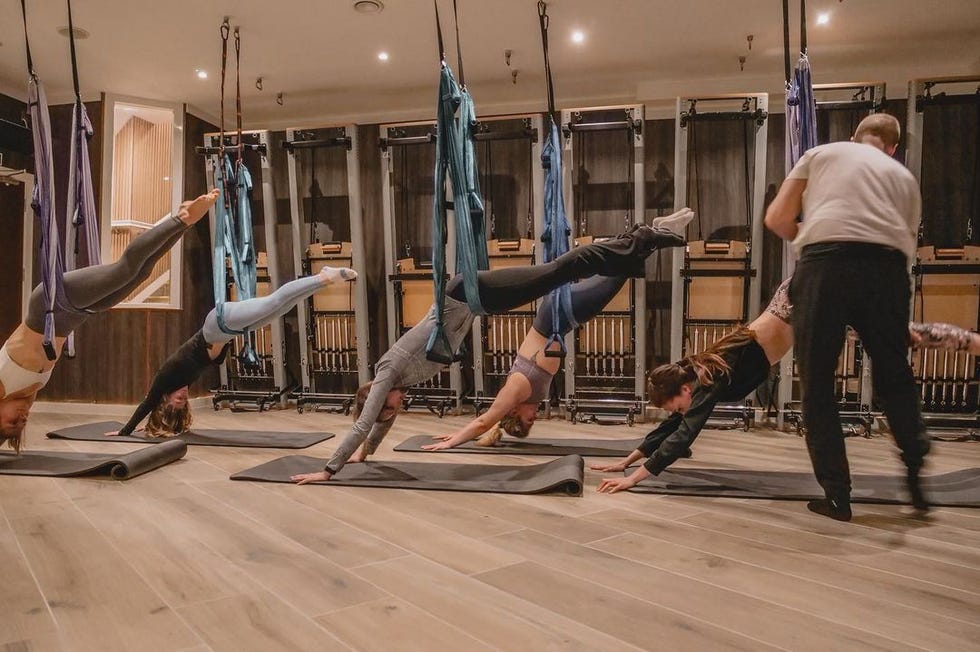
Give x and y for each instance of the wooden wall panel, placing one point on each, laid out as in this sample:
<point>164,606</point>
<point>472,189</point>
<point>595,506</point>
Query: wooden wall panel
<point>11,260</point>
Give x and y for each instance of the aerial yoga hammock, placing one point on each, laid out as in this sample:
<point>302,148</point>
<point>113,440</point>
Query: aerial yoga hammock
<point>455,153</point>
<point>556,227</point>
<point>801,107</point>
<point>233,213</point>
<point>80,209</point>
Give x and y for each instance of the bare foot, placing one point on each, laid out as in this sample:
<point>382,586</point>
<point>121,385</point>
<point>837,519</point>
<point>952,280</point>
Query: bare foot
<point>192,211</point>
<point>336,274</point>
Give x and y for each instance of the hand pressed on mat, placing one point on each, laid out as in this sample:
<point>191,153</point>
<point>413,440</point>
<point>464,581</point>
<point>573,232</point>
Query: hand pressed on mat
<point>615,485</point>
<point>306,478</point>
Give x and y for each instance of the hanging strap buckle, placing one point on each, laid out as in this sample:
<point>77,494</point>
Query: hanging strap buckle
<point>560,352</point>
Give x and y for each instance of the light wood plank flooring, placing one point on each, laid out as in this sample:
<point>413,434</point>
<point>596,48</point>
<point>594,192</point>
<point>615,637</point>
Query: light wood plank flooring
<point>184,559</point>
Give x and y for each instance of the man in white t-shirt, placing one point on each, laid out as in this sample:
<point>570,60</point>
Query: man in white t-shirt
<point>860,215</point>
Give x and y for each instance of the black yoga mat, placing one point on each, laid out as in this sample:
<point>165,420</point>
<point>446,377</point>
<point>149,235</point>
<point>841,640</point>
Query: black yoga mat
<point>531,446</point>
<point>121,467</point>
<point>563,475</point>
<point>955,489</point>
<point>197,437</point>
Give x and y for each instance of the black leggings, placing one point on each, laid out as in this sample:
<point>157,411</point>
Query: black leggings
<point>502,290</point>
<point>100,287</point>
<point>589,297</point>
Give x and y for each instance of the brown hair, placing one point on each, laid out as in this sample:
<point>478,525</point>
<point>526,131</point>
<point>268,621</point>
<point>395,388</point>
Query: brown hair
<point>167,420</point>
<point>883,126</point>
<point>361,397</point>
<point>665,382</point>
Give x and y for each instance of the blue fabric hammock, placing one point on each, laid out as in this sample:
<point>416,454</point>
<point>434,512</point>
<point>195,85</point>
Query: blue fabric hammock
<point>455,154</point>
<point>233,241</point>
<point>556,227</point>
<point>801,113</point>
<point>556,231</point>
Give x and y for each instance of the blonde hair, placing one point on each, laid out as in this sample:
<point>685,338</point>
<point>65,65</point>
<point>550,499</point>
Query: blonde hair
<point>882,126</point>
<point>665,382</point>
<point>511,424</point>
<point>168,421</point>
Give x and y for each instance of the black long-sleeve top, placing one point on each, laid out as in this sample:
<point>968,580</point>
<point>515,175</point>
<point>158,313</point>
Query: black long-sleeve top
<point>182,368</point>
<point>665,444</point>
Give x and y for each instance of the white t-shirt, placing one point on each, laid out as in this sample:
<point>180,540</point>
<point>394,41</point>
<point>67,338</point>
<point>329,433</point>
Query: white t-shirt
<point>857,193</point>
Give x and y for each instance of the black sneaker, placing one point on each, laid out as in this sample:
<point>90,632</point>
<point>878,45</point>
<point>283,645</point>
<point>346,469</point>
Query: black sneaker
<point>838,509</point>
<point>914,484</point>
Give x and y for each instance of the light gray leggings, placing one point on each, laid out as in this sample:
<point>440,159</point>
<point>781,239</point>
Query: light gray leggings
<point>253,313</point>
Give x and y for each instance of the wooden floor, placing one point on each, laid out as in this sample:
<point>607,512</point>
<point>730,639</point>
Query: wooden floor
<point>184,559</point>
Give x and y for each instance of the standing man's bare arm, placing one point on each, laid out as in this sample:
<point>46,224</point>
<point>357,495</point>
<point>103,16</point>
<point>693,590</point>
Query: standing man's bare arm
<point>785,208</point>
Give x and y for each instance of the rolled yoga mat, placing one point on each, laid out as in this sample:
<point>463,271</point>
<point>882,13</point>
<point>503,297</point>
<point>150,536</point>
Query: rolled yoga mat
<point>955,489</point>
<point>196,437</point>
<point>121,467</point>
<point>563,475</point>
<point>531,446</point>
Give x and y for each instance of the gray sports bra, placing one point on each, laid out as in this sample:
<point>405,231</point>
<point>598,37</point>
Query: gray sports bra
<point>539,378</point>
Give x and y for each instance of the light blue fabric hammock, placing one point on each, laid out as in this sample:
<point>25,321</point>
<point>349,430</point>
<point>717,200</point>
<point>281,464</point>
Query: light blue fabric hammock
<point>233,241</point>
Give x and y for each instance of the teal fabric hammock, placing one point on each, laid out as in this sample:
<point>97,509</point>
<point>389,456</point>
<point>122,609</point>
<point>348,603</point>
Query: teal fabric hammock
<point>233,238</point>
<point>455,155</point>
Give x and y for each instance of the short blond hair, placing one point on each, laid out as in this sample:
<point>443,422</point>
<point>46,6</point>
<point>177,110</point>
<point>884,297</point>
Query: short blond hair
<point>883,126</point>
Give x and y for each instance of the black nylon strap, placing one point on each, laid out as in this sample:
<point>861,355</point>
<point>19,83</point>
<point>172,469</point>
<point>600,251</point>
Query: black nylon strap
<point>786,62</point>
<point>27,41</point>
<point>543,23</point>
<point>459,48</point>
<point>74,60</point>
<point>442,47</point>
<point>803,26</point>
<point>238,93</point>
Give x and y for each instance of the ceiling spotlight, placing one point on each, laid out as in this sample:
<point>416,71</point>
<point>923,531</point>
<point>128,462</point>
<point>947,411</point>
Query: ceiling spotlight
<point>823,19</point>
<point>202,74</point>
<point>578,36</point>
<point>368,6</point>
<point>382,56</point>
<point>78,32</point>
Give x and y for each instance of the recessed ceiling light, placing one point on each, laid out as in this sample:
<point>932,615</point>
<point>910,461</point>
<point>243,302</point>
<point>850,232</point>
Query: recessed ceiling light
<point>202,74</point>
<point>77,31</point>
<point>382,56</point>
<point>368,6</point>
<point>823,19</point>
<point>578,36</point>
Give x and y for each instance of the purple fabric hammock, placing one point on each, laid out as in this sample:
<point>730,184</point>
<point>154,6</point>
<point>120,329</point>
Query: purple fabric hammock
<point>54,261</point>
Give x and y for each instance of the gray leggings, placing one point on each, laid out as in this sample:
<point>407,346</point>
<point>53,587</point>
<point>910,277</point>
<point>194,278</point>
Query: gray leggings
<point>589,297</point>
<point>253,313</point>
<point>100,287</point>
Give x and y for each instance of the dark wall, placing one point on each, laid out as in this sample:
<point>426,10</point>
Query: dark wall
<point>120,350</point>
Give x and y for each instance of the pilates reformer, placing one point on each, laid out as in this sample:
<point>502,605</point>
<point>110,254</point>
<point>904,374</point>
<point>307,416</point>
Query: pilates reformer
<point>333,323</point>
<point>513,225</point>
<point>262,385</point>
<point>716,282</point>
<point>407,159</point>
<point>947,271</point>
<point>605,365</point>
